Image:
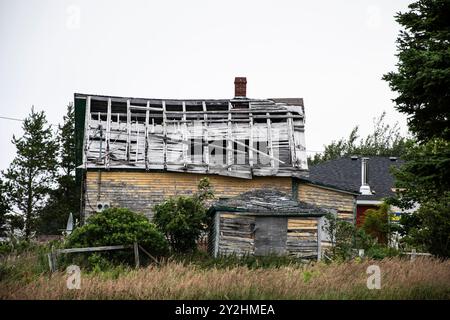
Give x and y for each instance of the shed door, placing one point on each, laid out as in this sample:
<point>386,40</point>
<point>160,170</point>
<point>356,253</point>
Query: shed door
<point>270,235</point>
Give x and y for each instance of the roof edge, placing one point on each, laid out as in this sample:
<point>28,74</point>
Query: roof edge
<point>330,187</point>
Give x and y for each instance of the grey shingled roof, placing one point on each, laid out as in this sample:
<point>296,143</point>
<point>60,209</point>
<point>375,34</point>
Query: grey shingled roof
<point>267,202</point>
<point>345,174</point>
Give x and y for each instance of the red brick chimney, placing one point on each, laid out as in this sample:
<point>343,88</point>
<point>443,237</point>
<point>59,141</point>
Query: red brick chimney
<point>240,87</point>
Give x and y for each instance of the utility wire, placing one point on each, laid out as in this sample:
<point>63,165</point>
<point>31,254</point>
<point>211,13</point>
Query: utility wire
<point>21,120</point>
<point>9,118</point>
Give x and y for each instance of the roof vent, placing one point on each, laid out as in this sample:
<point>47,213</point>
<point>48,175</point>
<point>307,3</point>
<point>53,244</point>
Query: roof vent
<point>393,158</point>
<point>365,188</point>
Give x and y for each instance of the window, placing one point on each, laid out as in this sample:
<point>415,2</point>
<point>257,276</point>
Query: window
<point>195,150</point>
<point>261,159</point>
<point>240,152</point>
<point>218,152</point>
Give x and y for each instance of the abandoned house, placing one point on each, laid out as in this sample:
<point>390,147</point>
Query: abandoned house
<point>136,152</point>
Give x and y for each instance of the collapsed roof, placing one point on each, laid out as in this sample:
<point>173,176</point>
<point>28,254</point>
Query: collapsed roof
<point>268,202</point>
<point>238,137</point>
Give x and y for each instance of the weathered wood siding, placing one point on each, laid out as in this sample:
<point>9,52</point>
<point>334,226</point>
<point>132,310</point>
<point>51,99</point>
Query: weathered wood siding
<point>344,203</point>
<point>294,236</point>
<point>236,234</point>
<point>140,191</point>
<point>302,241</point>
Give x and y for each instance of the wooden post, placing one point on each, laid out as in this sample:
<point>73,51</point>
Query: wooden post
<point>108,134</point>
<point>147,115</point>
<point>185,136</point>
<point>205,136</point>
<point>128,131</point>
<point>269,140</point>
<point>229,151</point>
<point>136,254</point>
<point>164,124</point>
<point>319,237</point>
<point>50,261</point>
<point>290,127</point>
<point>55,262</point>
<point>87,121</point>
<point>250,142</point>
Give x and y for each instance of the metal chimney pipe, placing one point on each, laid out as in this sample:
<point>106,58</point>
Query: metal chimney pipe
<point>365,188</point>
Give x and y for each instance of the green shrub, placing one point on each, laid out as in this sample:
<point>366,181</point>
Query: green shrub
<point>119,226</point>
<point>363,240</point>
<point>341,234</point>
<point>376,223</point>
<point>183,219</point>
<point>379,252</point>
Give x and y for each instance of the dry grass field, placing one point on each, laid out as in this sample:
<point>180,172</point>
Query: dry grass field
<point>424,278</point>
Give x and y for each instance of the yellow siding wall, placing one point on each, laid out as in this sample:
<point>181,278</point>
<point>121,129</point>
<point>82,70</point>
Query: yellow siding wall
<point>342,202</point>
<point>140,191</point>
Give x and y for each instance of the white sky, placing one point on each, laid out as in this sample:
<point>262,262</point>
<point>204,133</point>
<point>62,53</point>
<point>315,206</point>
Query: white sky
<point>331,53</point>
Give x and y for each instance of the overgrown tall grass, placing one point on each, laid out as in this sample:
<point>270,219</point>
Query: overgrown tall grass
<point>424,278</point>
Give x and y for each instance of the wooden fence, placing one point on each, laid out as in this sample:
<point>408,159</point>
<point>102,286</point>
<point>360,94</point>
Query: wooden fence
<point>413,254</point>
<point>53,255</point>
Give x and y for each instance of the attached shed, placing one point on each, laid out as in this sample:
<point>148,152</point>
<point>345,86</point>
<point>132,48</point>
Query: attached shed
<point>266,221</point>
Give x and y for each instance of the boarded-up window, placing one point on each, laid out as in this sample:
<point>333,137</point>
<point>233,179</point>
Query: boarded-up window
<point>270,235</point>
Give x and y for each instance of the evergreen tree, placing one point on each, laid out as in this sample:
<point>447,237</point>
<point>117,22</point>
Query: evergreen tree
<point>5,208</point>
<point>424,179</point>
<point>422,80</point>
<point>31,173</point>
<point>63,200</point>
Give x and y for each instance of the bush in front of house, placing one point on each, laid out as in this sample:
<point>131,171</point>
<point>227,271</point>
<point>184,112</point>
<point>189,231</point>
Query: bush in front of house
<point>183,218</point>
<point>346,239</point>
<point>119,226</point>
<point>376,223</point>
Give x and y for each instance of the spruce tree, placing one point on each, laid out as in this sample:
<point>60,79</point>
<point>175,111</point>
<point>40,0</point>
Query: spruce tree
<point>31,173</point>
<point>4,208</point>
<point>63,200</point>
<point>422,78</point>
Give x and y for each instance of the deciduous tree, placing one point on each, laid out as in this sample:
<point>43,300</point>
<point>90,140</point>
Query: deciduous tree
<point>385,140</point>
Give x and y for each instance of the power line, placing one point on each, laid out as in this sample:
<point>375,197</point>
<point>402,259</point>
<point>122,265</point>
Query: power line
<point>9,118</point>
<point>21,120</point>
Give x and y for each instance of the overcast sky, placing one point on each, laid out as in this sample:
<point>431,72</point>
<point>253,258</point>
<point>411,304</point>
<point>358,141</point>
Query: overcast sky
<point>331,53</point>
